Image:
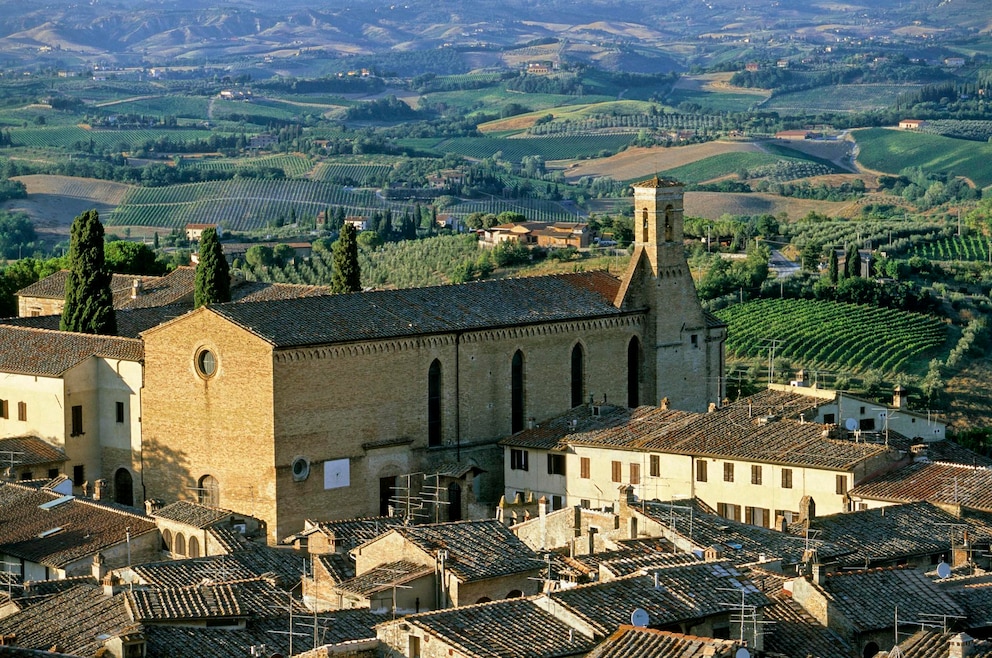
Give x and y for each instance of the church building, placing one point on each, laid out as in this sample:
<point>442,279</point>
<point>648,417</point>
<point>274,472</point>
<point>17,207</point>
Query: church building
<point>347,405</point>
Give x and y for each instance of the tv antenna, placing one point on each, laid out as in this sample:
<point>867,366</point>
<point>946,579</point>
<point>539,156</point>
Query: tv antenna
<point>10,457</point>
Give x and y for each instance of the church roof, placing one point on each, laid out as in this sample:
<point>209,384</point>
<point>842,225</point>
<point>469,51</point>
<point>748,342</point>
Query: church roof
<point>418,311</point>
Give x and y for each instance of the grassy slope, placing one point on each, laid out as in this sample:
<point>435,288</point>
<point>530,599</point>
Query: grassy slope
<point>890,151</point>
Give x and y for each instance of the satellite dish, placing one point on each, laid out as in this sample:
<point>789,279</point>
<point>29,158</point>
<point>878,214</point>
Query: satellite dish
<point>742,653</point>
<point>851,424</point>
<point>639,618</point>
<point>943,570</point>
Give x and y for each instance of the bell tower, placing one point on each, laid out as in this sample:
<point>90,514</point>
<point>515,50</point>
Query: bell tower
<point>682,345</point>
<point>658,222</point>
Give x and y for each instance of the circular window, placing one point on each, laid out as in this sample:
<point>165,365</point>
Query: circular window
<point>301,469</point>
<point>206,363</point>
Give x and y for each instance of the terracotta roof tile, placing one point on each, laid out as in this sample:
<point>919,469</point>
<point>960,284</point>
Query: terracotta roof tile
<point>71,621</point>
<point>477,550</point>
<point>285,564</point>
<point>81,527</point>
<point>512,628</point>
<point>868,599</point>
<point>878,536</point>
<point>936,482</point>
<point>629,641</point>
<point>184,603</point>
<point>742,543</point>
<point>28,450</point>
<point>796,633</point>
<point>51,353</point>
<point>759,428</point>
<point>682,593</point>
<point>190,513</point>
<point>348,533</point>
<point>384,577</point>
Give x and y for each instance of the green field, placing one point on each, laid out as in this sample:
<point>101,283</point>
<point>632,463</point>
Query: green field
<point>717,166</point>
<point>831,335</point>
<point>294,166</point>
<point>190,107</point>
<point>115,140</point>
<point>351,174</point>
<point>239,204</point>
<point>513,150</point>
<point>838,98</point>
<point>890,151</point>
<point>716,101</point>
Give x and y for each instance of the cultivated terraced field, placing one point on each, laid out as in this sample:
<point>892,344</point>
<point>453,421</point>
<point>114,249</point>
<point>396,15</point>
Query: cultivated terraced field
<point>831,335</point>
<point>240,205</point>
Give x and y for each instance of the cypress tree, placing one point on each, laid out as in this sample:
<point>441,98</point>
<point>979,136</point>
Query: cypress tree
<point>212,283</point>
<point>852,262</point>
<point>346,275</point>
<point>832,268</point>
<point>89,304</point>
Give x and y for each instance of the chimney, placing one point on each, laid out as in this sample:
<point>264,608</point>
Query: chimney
<point>136,287</point>
<point>961,645</point>
<point>819,572</point>
<point>99,489</point>
<point>97,569</point>
<point>899,397</point>
<point>542,506</point>
<point>664,404</point>
<point>781,523</point>
<point>807,509</point>
<point>153,505</point>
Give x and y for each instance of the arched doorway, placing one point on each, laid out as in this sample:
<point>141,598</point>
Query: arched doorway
<point>123,487</point>
<point>870,650</point>
<point>454,502</point>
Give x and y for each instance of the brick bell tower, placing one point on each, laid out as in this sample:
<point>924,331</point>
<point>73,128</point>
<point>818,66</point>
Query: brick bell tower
<point>682,347</point>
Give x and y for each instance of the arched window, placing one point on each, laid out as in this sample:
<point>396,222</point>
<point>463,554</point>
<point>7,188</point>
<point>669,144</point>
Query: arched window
<point>634,372</point>
<point>484,599</point>
<point>193,547</point>
<point>578,374</point>
<point>454,502</point>
<point>434,404</point>
<point>644,225</point>
<point>669,224</point>
<point>167,540</point>
<point>123,487</point>
<point>208,491</point>
<point>517,392</point>
<point>514,594</point>
<point>180,546</point>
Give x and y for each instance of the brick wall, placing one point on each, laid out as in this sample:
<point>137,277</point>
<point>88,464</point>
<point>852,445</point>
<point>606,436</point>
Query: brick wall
<point>219,426</point>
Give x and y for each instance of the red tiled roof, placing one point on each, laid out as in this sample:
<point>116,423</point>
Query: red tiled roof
<point>970,486</point>
<point>51,353</point>
<point>82,527</point>
<point>30,450</point>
